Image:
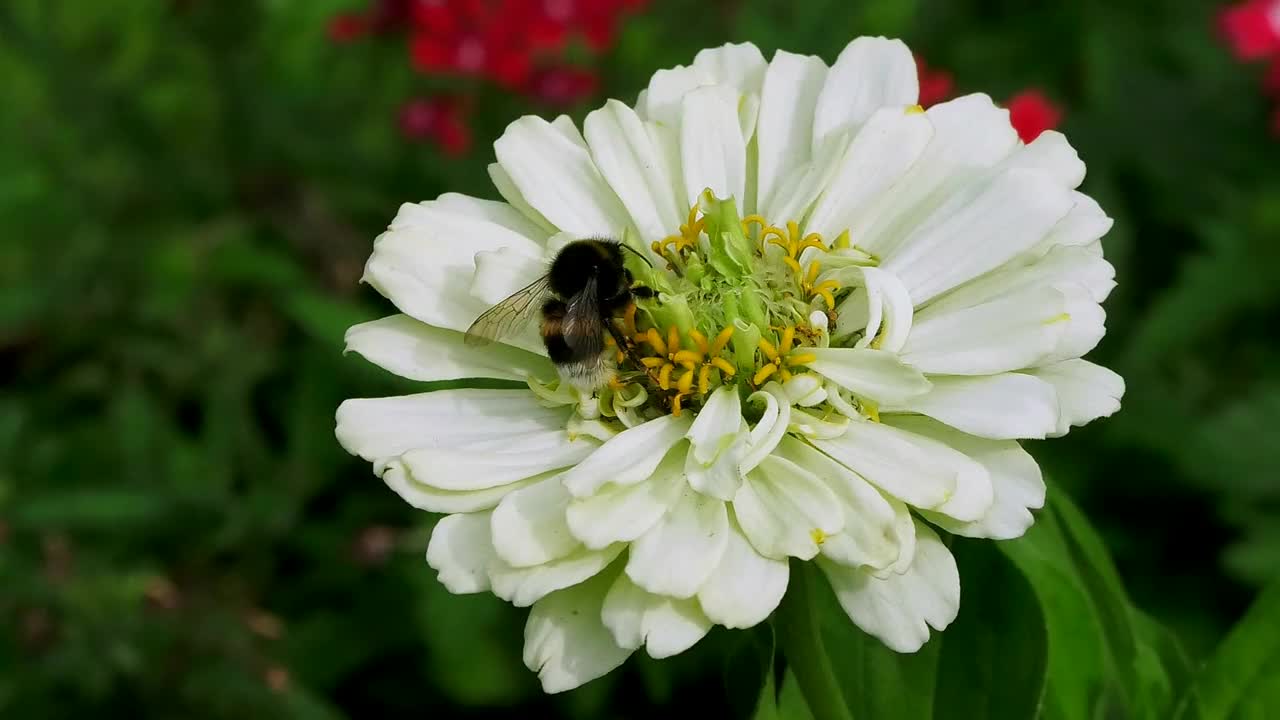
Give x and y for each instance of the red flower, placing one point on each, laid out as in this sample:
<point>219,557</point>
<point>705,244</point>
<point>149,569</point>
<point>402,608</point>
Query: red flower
<point>347,27</point>
<point>467,37</point>
<point>1031,113</point>
<point>441,119</point>
<point>1271,83</point>
<point>935,85</point>
<point>1252,28</point>
<point>563,85</point>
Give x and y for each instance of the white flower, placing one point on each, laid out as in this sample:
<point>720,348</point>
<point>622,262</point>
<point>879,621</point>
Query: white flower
<point>865,306</point>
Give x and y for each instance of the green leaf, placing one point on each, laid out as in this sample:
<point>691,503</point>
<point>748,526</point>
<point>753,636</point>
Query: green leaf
<point>1240,678</point>
<point>843,672</point>
<point>748,665</point>
<point>994,656</point>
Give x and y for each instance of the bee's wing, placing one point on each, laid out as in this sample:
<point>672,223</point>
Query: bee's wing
<point>508,316</point>
<point>583,326</point>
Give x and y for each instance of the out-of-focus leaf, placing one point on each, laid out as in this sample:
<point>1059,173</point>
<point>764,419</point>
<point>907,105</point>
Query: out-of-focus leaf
<point>1239,681</point>
<point>749,665</point>
<point>994,656</point>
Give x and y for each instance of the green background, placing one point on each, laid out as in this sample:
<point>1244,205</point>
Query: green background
<point>189,189</point>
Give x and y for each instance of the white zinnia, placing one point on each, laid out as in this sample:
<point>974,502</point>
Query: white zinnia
<point>938,286</point>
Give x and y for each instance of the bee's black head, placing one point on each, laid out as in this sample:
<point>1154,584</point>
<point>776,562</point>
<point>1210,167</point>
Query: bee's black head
<point>581,260</point>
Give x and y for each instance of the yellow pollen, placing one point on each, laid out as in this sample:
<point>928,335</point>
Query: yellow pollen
<point>629,319</point>
<point>685,383</point>
<point>915,110</point>
<point>792,263</point>
<point>818,536</point>
<point>673,339</point>
<point>655,340</point>
<point>699,339</point>
<point>768,349</point>
<point>763,374</point>
<point>828,297</point>
<point>788,338</point>
<point>724,366</point>
<point>704,379</point>
<point>802,359</point>
<point>722,339</point>
<point>664,376</point>
<point>814,267</point>
<point>652,362</point>
<point>688,358</point>
<point>675,404</point>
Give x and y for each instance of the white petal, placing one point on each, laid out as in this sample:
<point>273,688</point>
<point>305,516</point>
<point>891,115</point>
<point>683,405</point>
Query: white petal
<point>460,551</point>
<point>418,351</point>
<point>1051,153</point>
<point>499,462</point>
<point>745,587</point>
<point>880,308</point>
<point>1009,333</point>
<point>1085,391</point>
<point>771,426</point>
<point>1083,325</point>
<point>904,535</point>
<point>977,231</point>
<point>622,513</point>
<point>873,374</point>
<point>1085,224</point>
<point>506,215</point>
<point>785,510</point>
<point>1061,265</point>
<point>713,152</point>
<point>564,640</point>
<point>557,177</point>
<point>425,261</point>
<point>718,441</point>
<point>870,73</point>
<point>676,556</point>
<point>525,586</point>
<point>738,66</point>
<point>900,609</point>
<point>529,525</point>
<point>970,135</point>
<point>377,428</point>
<point>498,271</point>
<point>634,168</point>
<point>784,130</point>
<point>879,156</point>
<point>431,499</point>
<point>1009,406</point>
<point>920,471</point>
<point>507,189</point>
<point>716,425</point>
<point>665,626</point>
<point>869,535</point>
<point>631,456</point>
<point>1016,482</point>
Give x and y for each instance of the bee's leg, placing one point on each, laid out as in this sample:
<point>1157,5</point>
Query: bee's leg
<point>643,292</point>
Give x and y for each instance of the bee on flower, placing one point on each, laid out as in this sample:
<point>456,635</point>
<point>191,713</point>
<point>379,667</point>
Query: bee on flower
<point>818,321</point>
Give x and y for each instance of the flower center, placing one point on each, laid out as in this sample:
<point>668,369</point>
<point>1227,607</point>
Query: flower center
<point>738,301</point>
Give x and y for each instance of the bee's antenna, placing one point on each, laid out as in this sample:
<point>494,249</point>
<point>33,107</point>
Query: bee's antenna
<point>635,252</point>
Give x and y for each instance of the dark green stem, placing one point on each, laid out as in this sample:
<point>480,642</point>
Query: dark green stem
<point>801,639</point>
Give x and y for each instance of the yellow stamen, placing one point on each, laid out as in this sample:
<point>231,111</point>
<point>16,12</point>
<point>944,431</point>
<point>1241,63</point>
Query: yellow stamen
<point>773,235</point>
<point>757,219</point>
<point>791,263</point>
<point>704,379</point>
<point>615,383</point>
<point>788,337</point>
<point>685,383</point>
<point>673,339</point>
<point>813,241</point>
<point>767,348</point>
<point>793,237</point>
<point>687,357</point>
<point>828,298</point>
<point>877,342</point>
<point>675,405</point>
<point>619,357</point>
<point>826,285</point>
<point>722,339</point>
<point>656,341</point>
<point>724,366</point>
<point>814,267</point>
<point>763,373</point>
<point>699,339</point>
<point>664,376</point>
<point>785,374</point>
<point>652,362</point>
<point>629,319</point>
<point>842,241</point>
<point>915,110</point>
<point>803,359</point>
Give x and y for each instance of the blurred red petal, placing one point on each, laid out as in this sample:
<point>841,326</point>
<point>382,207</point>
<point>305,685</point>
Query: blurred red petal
<point>419,118</point>
<point>1031,113</point>
<point>510,69</point>
<point>563,85</point>
<point>347,27</point>
<point>430,54</point>
<point>935,85</point>
<point>1252,28</point>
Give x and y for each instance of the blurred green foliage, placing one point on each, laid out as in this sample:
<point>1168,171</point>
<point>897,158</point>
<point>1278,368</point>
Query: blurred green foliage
<point>188,190</point>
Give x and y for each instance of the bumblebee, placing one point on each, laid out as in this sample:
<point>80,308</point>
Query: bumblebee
<point>586,285</point>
